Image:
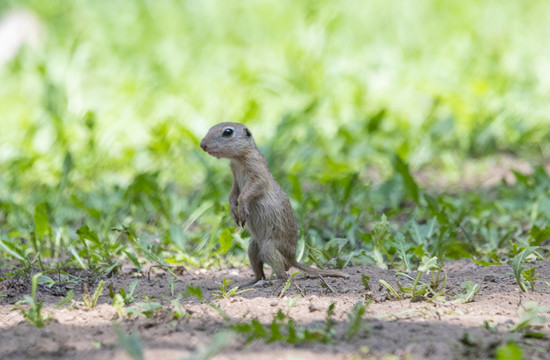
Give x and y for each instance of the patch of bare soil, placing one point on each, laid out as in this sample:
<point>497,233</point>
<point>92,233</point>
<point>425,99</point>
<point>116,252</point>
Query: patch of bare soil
<point>411,330</point>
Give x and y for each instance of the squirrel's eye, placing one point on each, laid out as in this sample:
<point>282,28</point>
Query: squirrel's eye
<point>227,132</point>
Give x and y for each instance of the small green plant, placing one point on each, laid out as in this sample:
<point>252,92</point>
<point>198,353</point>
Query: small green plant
<point>436,287</point>
<point>197,292</point>
<point>291,302</point>
<point>489,325</point>
<point>226,293</point>
<point>528,315</point>
<point>194,291</point>
<point>130,343</point>
<point>118,304</point>
<point>172,284</point>
<point>530,277</point>
<point>178,311</point>
<point>329,322</point>
<point>42,230</point>
<point>471,344</point>
<point>380,235</point>
<point>146,309</point>
<point>525,278</point>
<point>34,314</point>
<point>91,300</point>
<point>220,341</point>
<point>149,250</point>
<point>365,279</point>
<point>419,290</point>
<point>401,249</point>
<point>390,288</point>
<point>18,253</point>
<point>284,328</point>
<point>287,285</point>
<point>355,317</point>
<point>471,291</point>
<point>94,254</point>
<point>66,299</point>
<point>509,351</point>
<point>122,296</point>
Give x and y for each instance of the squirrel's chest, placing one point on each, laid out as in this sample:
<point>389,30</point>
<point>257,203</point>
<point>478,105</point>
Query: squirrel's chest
<point>240,176</point>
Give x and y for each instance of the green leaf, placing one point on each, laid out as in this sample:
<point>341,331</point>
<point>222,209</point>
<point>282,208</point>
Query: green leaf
<point>537,235</point>
<point>422,233</point>
<point>518,265</point>
<point>226,241</point>
<point>428,264</point>
<point>375,120</point>
<point>355,317</point>
<point>86,234</point>
<point>178,238</point>
<point>77,257</point>
<point>97,293</point>
<point>376,254</point>
<point>485,263</point>
<point>130,343</point>
<point>403,169</point>
<point>149,306</point>
<point>288,282</point>
<point>194,291</point>
<point>13,250</point>
<point>146,309</point>
<point>41,227</point>
<point>276,334</point>
<point>529,314</point>
<point>133,259</point>
<point>544,206</point>
<point>400,247</point>
<point>471,291</point>
<point>219,342</point>
<point>132,287</point>
<point>301,248</point>
<point>365,279</point>
<point>66,299</point>
<point>46,280</point>
<point>258,329</point>
<point>34,284</point>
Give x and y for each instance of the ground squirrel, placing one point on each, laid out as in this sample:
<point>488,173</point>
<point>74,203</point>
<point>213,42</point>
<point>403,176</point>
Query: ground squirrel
<point>257,201</point>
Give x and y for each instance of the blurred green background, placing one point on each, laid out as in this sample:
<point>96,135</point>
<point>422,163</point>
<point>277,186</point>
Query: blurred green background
<point>101,120</point>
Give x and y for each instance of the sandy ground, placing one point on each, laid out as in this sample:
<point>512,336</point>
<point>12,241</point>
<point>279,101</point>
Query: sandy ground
<point>390,327</point>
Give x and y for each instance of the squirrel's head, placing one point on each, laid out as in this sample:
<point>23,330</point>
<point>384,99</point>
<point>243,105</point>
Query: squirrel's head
<point>228,140</point>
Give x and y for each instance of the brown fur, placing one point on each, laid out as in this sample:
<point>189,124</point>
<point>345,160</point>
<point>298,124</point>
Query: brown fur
<point>257,201</point>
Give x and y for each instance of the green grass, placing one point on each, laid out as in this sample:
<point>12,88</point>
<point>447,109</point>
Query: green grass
<point>99,155</point>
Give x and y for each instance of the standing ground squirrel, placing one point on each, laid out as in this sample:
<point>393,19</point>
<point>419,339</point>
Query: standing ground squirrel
<point>259,202</point>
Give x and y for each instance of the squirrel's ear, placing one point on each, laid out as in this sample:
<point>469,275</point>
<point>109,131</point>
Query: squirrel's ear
<point>247,132</point>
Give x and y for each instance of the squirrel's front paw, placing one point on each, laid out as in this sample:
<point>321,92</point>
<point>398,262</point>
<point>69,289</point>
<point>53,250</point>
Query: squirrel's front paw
<point>243,213</point>
<point>235,212</point>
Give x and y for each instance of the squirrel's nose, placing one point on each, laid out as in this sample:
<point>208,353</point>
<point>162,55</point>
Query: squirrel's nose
<point>203,145</point>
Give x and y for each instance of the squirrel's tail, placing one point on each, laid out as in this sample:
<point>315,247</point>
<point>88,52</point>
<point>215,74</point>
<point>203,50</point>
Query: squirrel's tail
<point>313,271</point>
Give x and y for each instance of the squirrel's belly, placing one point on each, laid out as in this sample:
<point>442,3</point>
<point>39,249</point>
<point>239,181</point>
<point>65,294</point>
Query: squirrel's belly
<point>265,219</point>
